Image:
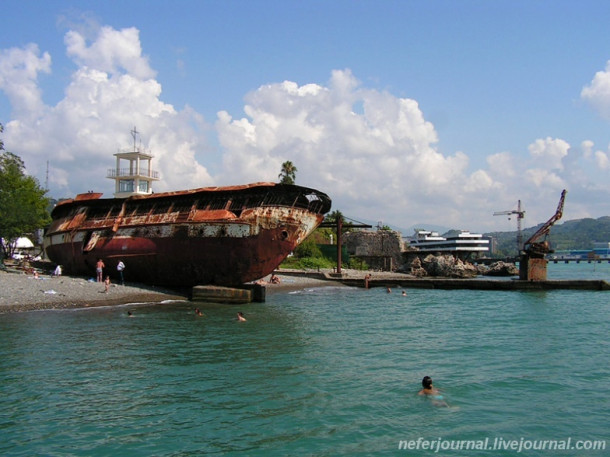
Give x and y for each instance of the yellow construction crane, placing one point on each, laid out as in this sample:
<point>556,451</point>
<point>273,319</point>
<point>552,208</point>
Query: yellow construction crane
<point>520,215</point>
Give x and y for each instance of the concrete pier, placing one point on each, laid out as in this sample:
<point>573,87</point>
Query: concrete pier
<point>387,279</point>
<point>228,295</point>
<point>482,284</point>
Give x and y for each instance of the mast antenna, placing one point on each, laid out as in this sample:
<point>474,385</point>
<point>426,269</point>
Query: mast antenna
<point>134,134</point>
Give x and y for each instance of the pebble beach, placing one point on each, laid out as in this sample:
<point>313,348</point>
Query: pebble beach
<point>21,291</point>
<point>25,292</point>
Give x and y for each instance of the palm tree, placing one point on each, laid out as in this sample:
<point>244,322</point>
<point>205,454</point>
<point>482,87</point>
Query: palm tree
<point>288,173</point>
<point>337,215</point>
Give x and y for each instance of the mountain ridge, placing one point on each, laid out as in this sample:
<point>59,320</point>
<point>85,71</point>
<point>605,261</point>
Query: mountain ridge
<point>570,235</point>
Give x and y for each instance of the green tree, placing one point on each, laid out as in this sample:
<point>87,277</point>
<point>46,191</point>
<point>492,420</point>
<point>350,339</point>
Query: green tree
<point>308,248</point>
<point>336,215</point>
<point>23,204</point>
<point>288,173</point>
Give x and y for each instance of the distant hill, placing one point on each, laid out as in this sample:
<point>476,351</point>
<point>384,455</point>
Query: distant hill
<point>570,235</point>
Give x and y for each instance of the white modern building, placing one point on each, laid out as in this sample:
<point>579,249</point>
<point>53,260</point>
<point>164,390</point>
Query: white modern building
<point>464,244</point>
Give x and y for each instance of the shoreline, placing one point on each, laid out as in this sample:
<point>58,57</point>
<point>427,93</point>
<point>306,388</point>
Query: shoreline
<point>23,292</point>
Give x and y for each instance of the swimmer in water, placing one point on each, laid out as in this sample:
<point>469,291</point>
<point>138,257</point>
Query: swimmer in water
<point>432,392</point>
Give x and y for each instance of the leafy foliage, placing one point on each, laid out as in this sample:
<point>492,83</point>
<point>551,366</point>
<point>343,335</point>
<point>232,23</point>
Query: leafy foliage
<point>334,216</point>
<point>357,264</point>
<point>571,235</point>
<point>312,263</point>
<point>581,233</point>
<point>307,263</point>
<point>308,255</point>
<point>338,215</point>
<point>23,205</point>
<point>308,248</point>
<point>288,173</point>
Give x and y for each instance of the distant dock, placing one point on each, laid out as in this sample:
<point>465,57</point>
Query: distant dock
<point>515,260</point>
<point>569,260</point>
<point>393,280</point>
<point>484,284</point>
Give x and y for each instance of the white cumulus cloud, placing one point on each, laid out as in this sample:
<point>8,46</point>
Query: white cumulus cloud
<point>19,70</point>
<point>550,152</point>
<point>374,153</point>
<point>597,93</point>
<point>360,145</point>
<point>112,52</point>
<point>601,158</point>
<point>112,90</point>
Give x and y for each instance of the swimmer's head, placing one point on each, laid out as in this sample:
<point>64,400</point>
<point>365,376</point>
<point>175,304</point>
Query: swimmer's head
<point>426,382</point>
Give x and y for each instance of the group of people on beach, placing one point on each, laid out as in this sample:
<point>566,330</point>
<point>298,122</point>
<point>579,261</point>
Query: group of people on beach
<point>274,279</point>
<point>99,270</point>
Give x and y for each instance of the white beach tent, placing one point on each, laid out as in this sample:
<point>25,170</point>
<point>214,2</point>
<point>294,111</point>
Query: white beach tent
<point>20,246</point>
<point>23,243</point>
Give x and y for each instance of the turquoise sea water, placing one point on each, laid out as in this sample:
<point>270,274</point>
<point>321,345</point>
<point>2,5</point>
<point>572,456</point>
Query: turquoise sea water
<point>330,371</point>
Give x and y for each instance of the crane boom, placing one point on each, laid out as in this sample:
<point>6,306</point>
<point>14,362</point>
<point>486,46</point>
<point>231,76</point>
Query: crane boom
<point>520,215</point>
<point>546,227</point>
<point>533,264</point>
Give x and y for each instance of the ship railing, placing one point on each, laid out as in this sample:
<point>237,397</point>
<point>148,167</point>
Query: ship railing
<point>127,172</point>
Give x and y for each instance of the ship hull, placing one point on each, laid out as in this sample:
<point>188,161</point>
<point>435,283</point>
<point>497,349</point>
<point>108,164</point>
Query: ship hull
<point>185,247</point>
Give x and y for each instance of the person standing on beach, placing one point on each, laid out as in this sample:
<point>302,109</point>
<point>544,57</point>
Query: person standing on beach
<point>99,269</point>
<point>120,267</point>
<point>107,284</point>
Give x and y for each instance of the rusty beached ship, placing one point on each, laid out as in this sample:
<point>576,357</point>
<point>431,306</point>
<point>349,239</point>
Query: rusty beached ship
<point>225,236</point>
<point>216,235</point>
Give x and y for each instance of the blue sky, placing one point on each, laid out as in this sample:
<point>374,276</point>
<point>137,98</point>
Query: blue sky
<point>406,112</point>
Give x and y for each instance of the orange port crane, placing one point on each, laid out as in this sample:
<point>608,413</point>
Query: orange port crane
<point>533,264</point>
<point>533,246</point>
<point>520,213</point>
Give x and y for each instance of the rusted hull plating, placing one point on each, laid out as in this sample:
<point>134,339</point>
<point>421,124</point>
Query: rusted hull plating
<point>192,241</point>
